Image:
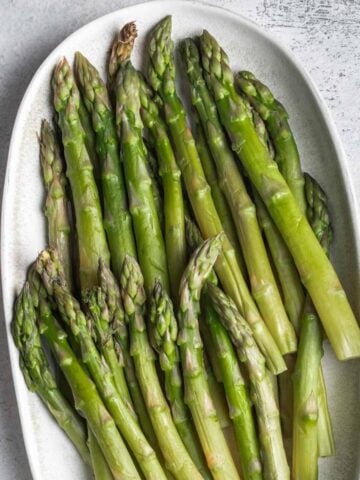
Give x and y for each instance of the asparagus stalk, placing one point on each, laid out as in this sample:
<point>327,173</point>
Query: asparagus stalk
<point>87,399</point>
<point>220,201</point>
<point>307,379</point>
<point>163,335</point>
<point>316,271</point>
<point>197,394</point>
<point>276,119</point>
<point>50,271</point>
<point>56,203</point>
<point>37,373</point>
<point>99,322</point>
<point>99,465</point>
<point>59,233</point>
<point>281,130</point>
<point>263,284</point>
<point>117,219</point>
<point>91,236</point>
<point>177,459</point>
<point>274,458</point>
<point>113,300</point>
<point>149,239</point>
<point>236,394</point>
<point>162,79</point>
<point>171,181</point>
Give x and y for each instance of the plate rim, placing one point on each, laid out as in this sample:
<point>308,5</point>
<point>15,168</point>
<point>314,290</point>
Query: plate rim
<point>349,189</point>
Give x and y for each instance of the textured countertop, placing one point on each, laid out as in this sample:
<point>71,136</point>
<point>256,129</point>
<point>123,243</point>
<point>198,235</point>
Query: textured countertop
<point>323,34</point>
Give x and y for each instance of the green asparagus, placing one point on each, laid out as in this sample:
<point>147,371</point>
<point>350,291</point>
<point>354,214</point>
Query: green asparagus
<point>289,163</point>
<point>236,394</point>
<point>171,181</point>
<point>316,271</point>
<point>149,239</point>
<point>89,140</point>
<point>197,394</point>
<point>49,269</point>
<point>274,458</point>
<point>56,203</point>
<point>113,300</point>
<point>86,397</point>
<point>276,119</point>
<point>307,368</point>
<point>263,284</point>
<point>99,322</point>
<point>37,373</point>
<point>177,459</point>
<point>162,79</point>
<point>220,201</point>
<point>100,467</point>
<point>163,335</point>
<point>90,231</point>
<point>117,219</point>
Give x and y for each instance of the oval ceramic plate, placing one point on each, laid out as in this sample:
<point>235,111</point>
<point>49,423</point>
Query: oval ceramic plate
<point>23,225</point>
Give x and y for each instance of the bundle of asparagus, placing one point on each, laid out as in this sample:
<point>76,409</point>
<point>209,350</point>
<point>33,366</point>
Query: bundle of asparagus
<point>180,290</point>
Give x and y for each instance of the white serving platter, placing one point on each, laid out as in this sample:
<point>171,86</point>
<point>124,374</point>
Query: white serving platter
<point>51,455</point>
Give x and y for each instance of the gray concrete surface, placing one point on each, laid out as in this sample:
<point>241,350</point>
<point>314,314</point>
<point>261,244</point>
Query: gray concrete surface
<point>323,34</point>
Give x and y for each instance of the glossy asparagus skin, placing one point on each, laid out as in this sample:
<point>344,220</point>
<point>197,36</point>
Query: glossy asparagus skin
<point>92,243</point>
<point>274,457</point>
<point>37,373</point>
<point>163,335</point>
<point>197,393</point>
<point>177,460</point>
<point>263,284</point>
<point>161,76</point>
<point>48,267</point>
<point>316,271</point>
<point>149,239</point>
<point>56,202</point>
<point>117,219</point>
<point>236,394</point>
<point>170,175</point>
<point>86,397</point>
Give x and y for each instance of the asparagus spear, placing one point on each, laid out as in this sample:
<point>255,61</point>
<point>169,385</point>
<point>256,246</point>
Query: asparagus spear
<point>59,233</point>
<point>317,273</point>
<point>49,269</point>
<point>90,230</point>
<point>162,79</point>
<point>100,467</point>
<point>197,394</point>
<point>113,300</point>
<point>307,369</point>
<point>56,203</point>
<point>276,119</point>
<point>212,367</point>
<point>149,239</point>
<point>99,323</point>
<point>274,458</point>
<point>177,459</point>
<point>163,335</point>
<point>263,284</point>
<point>236,394</point>
<point>289,163</point>
<point>37,373</point>
<point>87,399</point>
<point>171,181</point>
<point>220,201</point>
<point>117,219</point>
